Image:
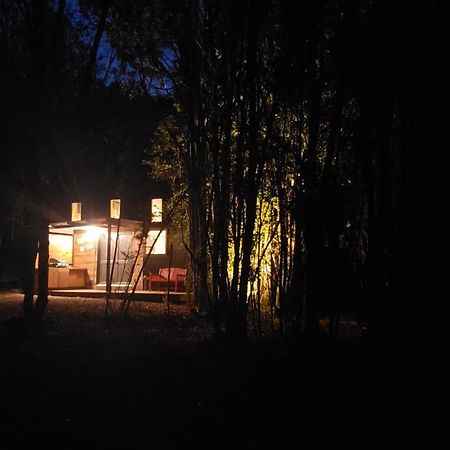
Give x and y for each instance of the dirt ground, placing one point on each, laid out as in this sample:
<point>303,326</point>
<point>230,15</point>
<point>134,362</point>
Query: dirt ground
<point>157,381</point>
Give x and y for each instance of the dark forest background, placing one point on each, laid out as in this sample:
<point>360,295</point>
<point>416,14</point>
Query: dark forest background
<point>307,137</point>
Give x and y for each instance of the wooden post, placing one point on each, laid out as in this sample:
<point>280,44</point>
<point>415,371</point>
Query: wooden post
<point>108,259</point>
<point>108,268</point>
<point>168,282</point>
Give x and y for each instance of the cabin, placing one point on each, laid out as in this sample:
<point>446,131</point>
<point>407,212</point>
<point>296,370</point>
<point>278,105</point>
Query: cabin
<point>115,253</point>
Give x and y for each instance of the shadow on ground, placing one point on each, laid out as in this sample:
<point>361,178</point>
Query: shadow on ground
<point>158,381</point>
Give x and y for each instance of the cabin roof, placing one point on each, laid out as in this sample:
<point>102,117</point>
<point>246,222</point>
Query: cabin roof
<point>125,224</point>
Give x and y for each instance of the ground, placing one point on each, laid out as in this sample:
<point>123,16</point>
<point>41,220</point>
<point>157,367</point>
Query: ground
<point>154,380</point>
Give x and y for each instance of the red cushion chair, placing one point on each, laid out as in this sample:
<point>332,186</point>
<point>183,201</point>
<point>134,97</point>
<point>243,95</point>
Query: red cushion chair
<point>176,278</point>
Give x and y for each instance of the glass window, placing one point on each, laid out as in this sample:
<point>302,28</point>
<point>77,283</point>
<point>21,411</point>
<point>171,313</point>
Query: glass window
<point>160,245</point>
<point>60,247</point>
<point>76,211</point>
<point>114,207</point>
<point>156,210</point>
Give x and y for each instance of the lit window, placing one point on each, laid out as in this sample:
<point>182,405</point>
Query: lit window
<point>114,206</point>
<point>159,247</point>
<point>76,211</point>
<point>156,210</point>
<point>60,246</point>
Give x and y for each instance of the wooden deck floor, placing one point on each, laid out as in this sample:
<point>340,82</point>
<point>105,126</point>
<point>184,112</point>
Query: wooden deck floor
<point>99,293</point>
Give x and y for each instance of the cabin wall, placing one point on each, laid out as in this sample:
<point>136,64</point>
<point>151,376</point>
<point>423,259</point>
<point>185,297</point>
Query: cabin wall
<point>67,278</point>
<point>156,262</point>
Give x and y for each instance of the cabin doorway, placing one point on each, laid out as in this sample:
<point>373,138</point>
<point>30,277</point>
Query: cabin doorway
<point>125,256</point>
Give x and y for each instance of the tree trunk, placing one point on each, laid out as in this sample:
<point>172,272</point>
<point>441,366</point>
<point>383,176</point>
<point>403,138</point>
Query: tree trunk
<point>90,66</point>
<point>29,275</point>
<point>42,298</point>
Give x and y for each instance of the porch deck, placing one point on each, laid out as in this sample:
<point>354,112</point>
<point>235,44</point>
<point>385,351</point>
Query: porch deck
<point>152,296</point>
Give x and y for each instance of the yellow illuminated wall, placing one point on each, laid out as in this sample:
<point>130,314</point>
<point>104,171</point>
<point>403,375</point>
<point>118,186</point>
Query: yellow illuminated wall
<point>61,246</point>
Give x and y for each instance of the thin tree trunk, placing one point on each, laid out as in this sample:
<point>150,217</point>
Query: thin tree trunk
<point>42,298</point>
<point>29,276</point>
<point>90,66</point>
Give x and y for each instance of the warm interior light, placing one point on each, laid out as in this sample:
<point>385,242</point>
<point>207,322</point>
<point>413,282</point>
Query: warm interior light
<point>92,233</point>
<point>60,246</point>
<point>156,210</point>
<point>115,208</point>
<point>76,211</point>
